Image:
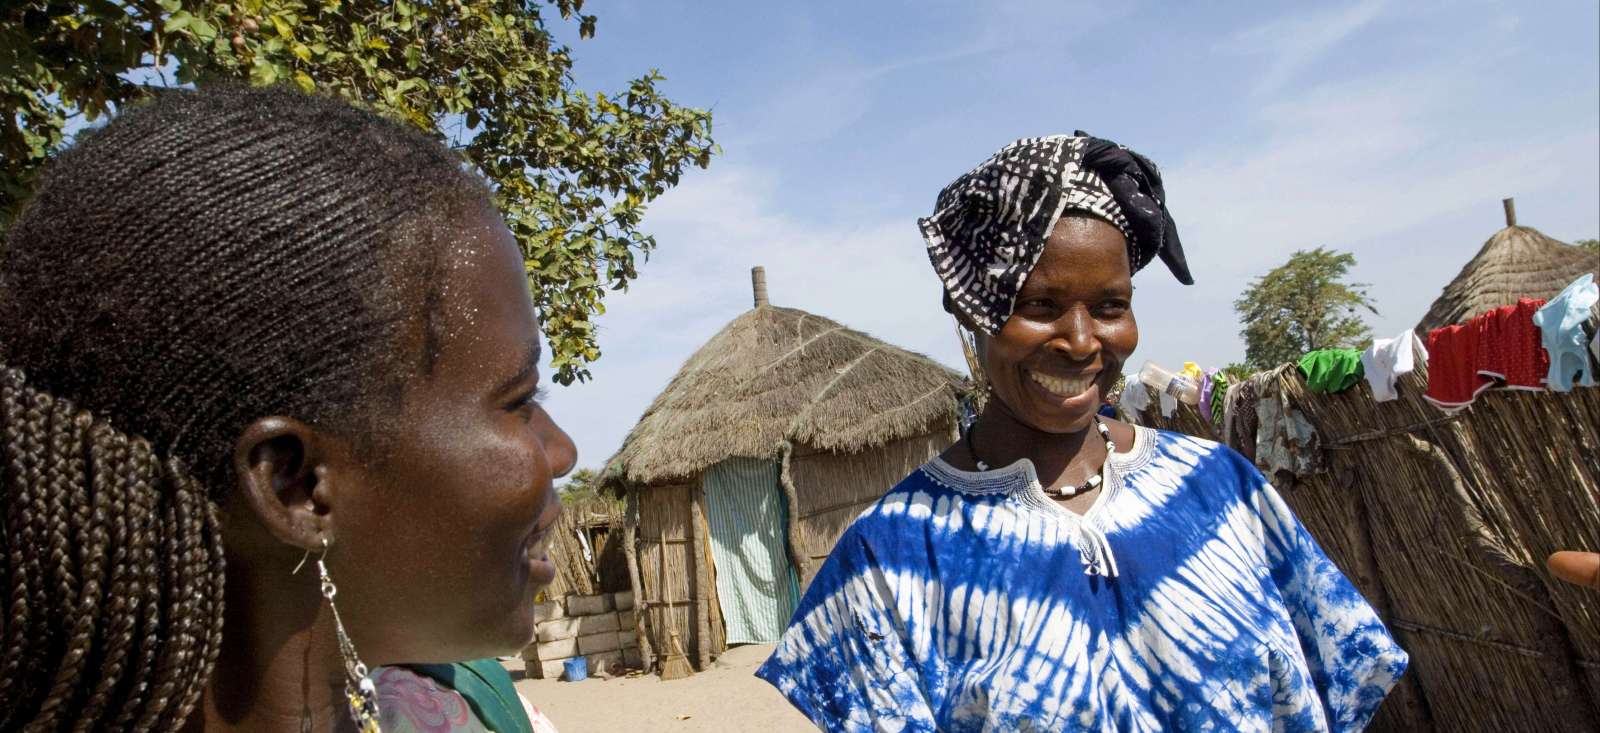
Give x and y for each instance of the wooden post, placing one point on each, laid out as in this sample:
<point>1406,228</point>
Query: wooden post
<point>702,601</point>
<point>797,555</point>
<point>1511,211</point>
<point>641,604</point>
<point>758,282</point>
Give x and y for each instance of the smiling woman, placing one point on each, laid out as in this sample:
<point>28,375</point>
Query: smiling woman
<point>1033,578</point>
<point>250,338</point>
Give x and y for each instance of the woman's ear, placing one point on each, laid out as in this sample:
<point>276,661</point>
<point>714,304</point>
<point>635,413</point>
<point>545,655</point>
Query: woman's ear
<point>280,463</point>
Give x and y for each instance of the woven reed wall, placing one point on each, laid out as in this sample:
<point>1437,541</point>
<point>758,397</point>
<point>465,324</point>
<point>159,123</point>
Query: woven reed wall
<point>1443,522</point>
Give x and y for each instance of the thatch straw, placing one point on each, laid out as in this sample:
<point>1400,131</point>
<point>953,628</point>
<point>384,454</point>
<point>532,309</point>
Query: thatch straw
<point>1517,262</point>
<point>776,375</point>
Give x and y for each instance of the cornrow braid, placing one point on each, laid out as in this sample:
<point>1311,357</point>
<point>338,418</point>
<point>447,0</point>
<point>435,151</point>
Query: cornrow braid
<point>69,636</point>
<point>204,260</point>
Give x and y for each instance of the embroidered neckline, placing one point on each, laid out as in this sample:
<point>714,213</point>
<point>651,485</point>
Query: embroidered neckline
<point>1020,481</point>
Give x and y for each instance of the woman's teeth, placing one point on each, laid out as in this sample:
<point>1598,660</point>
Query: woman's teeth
<point>1066,387</point>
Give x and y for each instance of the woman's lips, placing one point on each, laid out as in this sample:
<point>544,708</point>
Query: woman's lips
<point>537,550</point>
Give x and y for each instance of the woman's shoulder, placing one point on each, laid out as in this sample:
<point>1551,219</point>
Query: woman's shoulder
<point>1172,457</point>
<point>408,701</point>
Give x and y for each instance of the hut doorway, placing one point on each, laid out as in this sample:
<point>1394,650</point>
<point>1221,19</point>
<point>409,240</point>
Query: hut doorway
<point>749,520</point>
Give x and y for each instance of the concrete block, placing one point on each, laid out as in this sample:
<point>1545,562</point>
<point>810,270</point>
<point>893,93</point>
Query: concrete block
<point>588,605</point>
<point>561,628</point>
<point>626,621</point>
<point>628,639</point>
<point>598,643</point>
<point>547,611</point>
<point>602,664</point>
<point>597,624</point>
<point>632,658</point>
<point>623,601</point>
<point>547,670</point>
<point>559,649</point>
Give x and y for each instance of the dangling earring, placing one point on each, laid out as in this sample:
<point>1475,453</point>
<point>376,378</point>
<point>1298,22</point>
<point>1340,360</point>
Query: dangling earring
<point>359,691</point>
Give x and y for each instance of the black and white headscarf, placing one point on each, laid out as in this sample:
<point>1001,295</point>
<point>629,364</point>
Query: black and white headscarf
<point>989,227</point>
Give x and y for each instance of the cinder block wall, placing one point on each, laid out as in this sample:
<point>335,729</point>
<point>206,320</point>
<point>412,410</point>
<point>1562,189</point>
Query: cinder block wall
<point>600,627</point>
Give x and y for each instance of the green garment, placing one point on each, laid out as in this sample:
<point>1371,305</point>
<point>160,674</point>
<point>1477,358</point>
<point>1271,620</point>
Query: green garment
<point>487,688</point>
<point>1332,370</point>
<point>1219,398</point>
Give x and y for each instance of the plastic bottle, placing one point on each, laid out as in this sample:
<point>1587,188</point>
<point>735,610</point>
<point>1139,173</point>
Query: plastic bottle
<point>1162,379</point>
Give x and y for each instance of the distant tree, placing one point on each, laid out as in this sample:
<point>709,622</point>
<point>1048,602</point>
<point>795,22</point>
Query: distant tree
<point>1301,306</point>
<point>581,485</point>
<point>1593,245</point>
<point>572,170</point>
<point>1237,372</point>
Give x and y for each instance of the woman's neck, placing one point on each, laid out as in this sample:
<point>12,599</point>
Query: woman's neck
<point>1002,439</point>
<point>279,669</point>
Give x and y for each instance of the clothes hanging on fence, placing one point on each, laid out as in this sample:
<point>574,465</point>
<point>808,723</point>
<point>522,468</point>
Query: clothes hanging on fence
<point>1239,421</point>
<point>1501,347</point>
<point>1169,403</point>
<point>1331,370</point>
<point>1509,346</point>
<point>1389,359</point>
<point>1217,399</point>
<point>1561,324</point>
<point>1135,399</point>
<point>1285,439</point>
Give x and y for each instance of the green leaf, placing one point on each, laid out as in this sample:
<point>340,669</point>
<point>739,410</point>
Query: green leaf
<point>178,21</point>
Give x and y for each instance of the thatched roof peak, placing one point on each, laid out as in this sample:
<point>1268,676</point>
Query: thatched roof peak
<point>1517,262</point>
<point>780,374</point>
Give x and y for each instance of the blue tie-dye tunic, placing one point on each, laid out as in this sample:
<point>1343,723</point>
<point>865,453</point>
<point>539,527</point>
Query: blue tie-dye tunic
<point>1187,598</point>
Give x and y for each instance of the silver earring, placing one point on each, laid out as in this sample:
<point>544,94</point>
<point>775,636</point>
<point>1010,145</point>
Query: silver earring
<point>360,692</point>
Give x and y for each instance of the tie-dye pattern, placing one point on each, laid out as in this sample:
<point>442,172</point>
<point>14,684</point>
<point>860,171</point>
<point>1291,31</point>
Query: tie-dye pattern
<point>961,602</point>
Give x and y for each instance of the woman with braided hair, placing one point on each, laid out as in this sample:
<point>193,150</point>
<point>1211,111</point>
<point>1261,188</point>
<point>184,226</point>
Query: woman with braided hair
<point>260,350</point>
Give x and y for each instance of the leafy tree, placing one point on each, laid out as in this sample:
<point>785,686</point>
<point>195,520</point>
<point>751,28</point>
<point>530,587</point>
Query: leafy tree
<point>581,485</point>
<point>572,171</point>
<point>1593,245</point>
<point>1300,306</point>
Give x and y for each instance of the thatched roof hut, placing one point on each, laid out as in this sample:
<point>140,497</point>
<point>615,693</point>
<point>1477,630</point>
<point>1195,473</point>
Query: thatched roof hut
<point>760,451</point>
<point>1517,262</point>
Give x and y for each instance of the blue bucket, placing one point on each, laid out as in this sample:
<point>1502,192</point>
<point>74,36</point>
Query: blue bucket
<point>576,669</point>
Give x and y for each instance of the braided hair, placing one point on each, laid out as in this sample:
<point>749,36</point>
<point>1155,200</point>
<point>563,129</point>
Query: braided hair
<point>204,260</point>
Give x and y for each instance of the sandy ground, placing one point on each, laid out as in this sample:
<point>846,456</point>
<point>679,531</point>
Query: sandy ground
<point>727,698</point>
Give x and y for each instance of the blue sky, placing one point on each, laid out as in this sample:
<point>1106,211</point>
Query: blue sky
<point>1390,130</point>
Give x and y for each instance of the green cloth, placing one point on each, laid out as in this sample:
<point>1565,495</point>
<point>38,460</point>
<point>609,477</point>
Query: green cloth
<point>1219,397</point>
<point>1332,370</point>
<point>488,690</point>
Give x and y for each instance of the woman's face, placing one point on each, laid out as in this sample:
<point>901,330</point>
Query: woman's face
<point>1071,330</point>
<point>442,540</point>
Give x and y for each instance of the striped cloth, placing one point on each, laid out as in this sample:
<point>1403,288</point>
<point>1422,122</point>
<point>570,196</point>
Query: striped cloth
<point>749,522</point>
<point>1187,598</point>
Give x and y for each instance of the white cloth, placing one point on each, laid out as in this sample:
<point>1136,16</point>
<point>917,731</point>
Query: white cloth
<point>1169,404</point>
<point>1386,360</point>
<point>1135,398</point>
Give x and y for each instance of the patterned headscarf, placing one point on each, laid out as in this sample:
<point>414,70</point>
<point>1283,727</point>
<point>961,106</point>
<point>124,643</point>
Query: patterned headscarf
<point>989,227</point>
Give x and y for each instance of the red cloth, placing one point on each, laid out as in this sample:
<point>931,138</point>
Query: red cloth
<point>1510,346</point>
<point>1453,379</point>
<point>1501,345</point>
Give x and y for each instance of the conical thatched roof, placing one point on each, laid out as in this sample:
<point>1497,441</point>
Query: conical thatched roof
<point>1517,262</point>
<point>777,374</point>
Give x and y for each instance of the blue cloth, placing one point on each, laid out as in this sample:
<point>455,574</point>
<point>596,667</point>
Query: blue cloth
<point>1187,598</point>
<point>1560,324</point>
